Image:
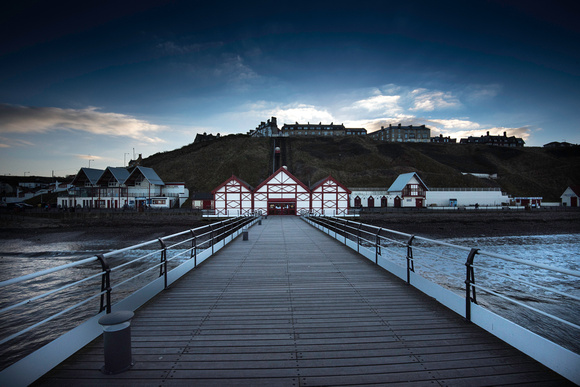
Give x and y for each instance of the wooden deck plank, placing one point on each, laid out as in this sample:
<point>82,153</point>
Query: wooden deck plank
<point>293,307</point>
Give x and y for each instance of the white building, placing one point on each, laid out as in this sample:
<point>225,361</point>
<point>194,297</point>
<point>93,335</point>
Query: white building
<point>570,196</point>
<point>329,198</point>
<point>280,194</point>
<point>119,188</point>
<point>408,191</point>
<point>233,198</point>
<point>458,197</point>
<point>370,198</point>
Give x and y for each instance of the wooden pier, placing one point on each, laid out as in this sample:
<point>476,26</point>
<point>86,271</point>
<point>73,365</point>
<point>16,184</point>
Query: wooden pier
<point>293,307</point>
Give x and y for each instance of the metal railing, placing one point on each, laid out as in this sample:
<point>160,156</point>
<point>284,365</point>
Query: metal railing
<point>479,285</point>
<point>107,280</point>
<point>378,239</point>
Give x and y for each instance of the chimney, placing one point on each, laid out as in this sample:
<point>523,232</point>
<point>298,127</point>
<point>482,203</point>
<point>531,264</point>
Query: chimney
<point>390,126</point>
<point>399,124</point>
<point>488,132</point>
<point>410,126</point>
<point>505,134</point>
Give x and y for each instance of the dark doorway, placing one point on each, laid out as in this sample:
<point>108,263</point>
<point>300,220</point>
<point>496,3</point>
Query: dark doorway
<point>397,202</point>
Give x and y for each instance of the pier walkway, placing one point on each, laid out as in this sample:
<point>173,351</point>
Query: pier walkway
<point>293,307</point>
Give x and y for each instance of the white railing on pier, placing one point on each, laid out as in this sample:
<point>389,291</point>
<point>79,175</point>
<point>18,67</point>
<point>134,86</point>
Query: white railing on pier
<point>123,279</point>
<point>456,276</point>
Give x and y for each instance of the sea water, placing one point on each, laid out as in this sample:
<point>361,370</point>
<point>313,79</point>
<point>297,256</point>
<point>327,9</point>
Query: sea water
<point>445,266</point>
<point>516,281</point>
<point>22,257</point>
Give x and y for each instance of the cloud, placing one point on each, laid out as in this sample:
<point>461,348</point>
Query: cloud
<point>478,93</point>
<point>234,68</point>
<point>27,119</point>
<point>383,104</point>
<point>523,131</point>
<point>425,100</point>
<point>301,113</point>
<point>6,142</point>
<point>89,157</point>
<point>455,124</point>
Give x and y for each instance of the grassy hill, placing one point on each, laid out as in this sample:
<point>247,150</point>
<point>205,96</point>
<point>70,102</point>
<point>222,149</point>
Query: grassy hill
<point>362,162</point>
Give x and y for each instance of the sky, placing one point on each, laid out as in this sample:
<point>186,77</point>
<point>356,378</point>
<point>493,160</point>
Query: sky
<point>95,83</point>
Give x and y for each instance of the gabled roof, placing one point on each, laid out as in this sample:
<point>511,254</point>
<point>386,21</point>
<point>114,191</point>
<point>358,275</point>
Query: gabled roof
<point>119,174</point>
<point>329,178</point>
<point>148,173</point>
<point>575,189</point>
<point>235,178</point>
<point>283,170</point>
<point>403,180</point>
<point>90,174</point>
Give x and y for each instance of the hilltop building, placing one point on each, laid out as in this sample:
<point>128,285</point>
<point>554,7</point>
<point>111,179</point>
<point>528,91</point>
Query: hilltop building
<point>120,188</point>
<point>270,129</point>
<point>291,130</point>
<point>205,137</point>
<point>444,140</point>
<point>488,139</point>
<point>557,144</point>
<point>402,134</point>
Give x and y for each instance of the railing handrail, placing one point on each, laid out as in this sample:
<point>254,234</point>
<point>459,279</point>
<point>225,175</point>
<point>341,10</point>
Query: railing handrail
<point>574,273</point>
<point>93,258</point>
<point>546,351</point>
<point>470,285</point>
<point>41,273</point>
<point>221,230</point>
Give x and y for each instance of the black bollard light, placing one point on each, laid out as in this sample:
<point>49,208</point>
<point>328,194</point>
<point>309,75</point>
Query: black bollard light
<point>117,341</point>
<point>245,233</point>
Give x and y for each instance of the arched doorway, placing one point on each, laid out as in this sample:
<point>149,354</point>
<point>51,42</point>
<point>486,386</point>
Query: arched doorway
<point>357,202</point>
<point>371,202</point>
<point>383,202</point>
<point>398,202</point>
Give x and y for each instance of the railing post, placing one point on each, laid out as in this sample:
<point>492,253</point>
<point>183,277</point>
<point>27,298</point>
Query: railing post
<point>378,245</point>
<point>194,248</point>
<point>358,238</point>
<point>222,232</point>
<point>470,295</point>
<point>163,265</point>
<point>105,284</point>
<point>211,237</point>
<point>410,262</point>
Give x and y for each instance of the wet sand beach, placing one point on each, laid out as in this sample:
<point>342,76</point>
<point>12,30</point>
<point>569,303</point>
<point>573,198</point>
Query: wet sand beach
<point>125,230</point>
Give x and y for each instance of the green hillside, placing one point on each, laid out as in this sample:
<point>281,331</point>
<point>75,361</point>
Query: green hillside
<point>362,162</point>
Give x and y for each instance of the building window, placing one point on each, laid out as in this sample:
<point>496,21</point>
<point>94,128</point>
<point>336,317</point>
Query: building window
<point>413,190</point>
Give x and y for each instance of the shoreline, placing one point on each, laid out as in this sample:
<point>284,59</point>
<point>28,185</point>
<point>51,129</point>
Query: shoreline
<point>479,223</point>
<point>129,230</point>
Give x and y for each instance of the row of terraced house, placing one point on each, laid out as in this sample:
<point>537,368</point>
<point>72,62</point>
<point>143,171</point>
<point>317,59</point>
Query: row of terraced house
<point>114,187</point>
<point>391,133</point>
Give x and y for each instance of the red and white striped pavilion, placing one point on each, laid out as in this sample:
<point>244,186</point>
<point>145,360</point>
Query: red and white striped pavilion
<point>281,194</point>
